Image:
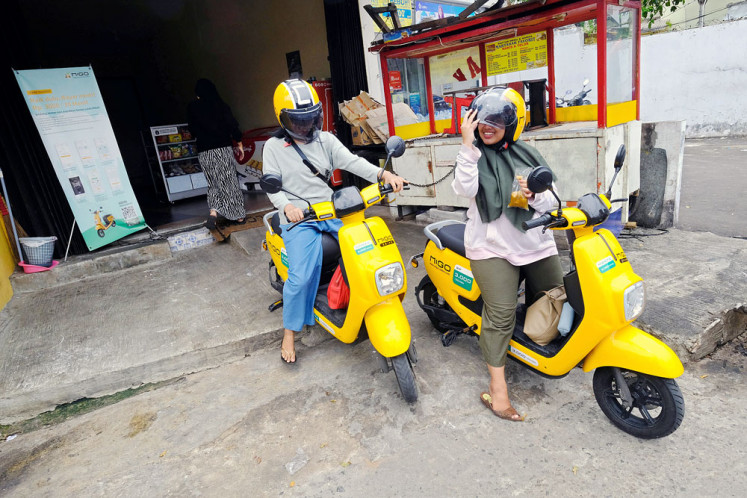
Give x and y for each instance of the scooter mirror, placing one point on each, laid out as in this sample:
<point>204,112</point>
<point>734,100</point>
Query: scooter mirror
<point>271,184</point>
<point>620,157</point>
<point>540,179</point>
<point>567,92</point>
<point>586,81</point>
<point>395,146</point>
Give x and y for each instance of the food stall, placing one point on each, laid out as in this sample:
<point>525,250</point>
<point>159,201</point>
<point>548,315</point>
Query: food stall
<point>539,47</point>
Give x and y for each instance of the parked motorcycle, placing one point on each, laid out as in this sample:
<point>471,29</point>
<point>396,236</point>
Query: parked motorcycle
<point>633,371</point>
<point>372,267</point>
<point>578,99</point>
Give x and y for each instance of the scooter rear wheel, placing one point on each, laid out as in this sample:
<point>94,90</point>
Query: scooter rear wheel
<point>658,406</point>
<point>405,377</point>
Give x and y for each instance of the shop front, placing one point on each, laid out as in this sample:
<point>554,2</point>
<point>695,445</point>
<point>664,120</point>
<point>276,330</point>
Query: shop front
<point>575,62</point>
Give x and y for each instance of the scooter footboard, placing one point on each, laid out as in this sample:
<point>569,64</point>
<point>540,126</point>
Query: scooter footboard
<point>631,348</point>
<point>388,328</point>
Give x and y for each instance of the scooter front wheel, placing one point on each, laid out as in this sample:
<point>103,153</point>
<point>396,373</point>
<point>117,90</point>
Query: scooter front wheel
<point>405,377</point>
<point>657,407</point>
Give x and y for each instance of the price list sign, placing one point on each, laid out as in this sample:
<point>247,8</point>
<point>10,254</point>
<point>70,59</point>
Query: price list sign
<point>516,54</point>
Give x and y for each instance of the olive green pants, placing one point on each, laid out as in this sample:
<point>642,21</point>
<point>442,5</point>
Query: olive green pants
<point>499,282</point>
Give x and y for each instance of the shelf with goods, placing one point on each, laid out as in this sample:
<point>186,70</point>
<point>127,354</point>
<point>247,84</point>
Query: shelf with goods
<point>177,159</point>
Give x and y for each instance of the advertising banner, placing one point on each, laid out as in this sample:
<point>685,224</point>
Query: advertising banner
<point>404,12</point>
<point>69,113</point>
<point>429,11</point>
<point>516,54</point>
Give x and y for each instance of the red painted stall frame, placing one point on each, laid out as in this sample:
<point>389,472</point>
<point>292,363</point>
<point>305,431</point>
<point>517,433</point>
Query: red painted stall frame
<point>516,20</point>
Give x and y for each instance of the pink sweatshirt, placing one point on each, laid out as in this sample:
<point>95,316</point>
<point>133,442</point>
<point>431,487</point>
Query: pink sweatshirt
<point>499,238</point>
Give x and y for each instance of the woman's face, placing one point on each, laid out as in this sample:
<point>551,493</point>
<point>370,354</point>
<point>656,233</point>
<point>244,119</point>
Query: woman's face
<point>490,135</point>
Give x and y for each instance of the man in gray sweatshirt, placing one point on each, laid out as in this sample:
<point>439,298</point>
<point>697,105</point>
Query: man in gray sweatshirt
<point>299,113</point>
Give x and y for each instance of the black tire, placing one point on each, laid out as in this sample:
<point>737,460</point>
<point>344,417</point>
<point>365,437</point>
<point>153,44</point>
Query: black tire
<point>101,232</point>
<point>405,377</point>
<point>658,406</point>
<point>431,297</point>
<point>114,223</point>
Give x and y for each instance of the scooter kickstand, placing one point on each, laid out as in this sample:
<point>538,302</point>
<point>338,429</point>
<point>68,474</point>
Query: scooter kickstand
<point>275,305</point>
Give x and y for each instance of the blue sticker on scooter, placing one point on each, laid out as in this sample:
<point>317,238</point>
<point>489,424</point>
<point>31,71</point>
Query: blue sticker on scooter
<point>363,247</point>
<point>463,277</point>
<point>606,264</point>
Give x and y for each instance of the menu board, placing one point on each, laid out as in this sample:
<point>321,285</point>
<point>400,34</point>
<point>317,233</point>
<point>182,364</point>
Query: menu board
<point>516,54</point>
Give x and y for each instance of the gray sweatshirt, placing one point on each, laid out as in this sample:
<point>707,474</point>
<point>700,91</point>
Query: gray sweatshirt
<point>325,153</point>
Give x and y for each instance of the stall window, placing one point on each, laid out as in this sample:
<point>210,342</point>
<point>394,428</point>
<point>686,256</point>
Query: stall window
<point>621,31</point>
<point>576,71</point>
<point>407,84</point>
<point>450,74</point>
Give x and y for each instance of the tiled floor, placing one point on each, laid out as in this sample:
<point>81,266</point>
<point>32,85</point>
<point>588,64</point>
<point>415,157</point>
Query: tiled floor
<point>192,211</point>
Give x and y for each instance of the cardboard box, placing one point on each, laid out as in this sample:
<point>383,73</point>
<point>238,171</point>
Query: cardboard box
<point>377,120</point>
<point>360,137</point>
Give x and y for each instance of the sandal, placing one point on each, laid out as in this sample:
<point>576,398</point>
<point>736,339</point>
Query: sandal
<point>211,220</point>
<point>508,414</point>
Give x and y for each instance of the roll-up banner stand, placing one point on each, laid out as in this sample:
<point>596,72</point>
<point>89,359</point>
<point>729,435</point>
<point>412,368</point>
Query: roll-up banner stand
<point>69,113</point>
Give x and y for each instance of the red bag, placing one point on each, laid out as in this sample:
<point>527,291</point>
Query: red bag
<point>338,292</point>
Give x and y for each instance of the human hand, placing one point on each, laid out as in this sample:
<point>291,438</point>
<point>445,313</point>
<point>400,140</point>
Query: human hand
<point>397,182</point>
<point>524,189</point>
<point>469,125</point>
<point>239,151</point>
<point>293,213</point>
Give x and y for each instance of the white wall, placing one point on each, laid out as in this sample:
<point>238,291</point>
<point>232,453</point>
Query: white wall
<point>699,76</point>
<point>696,75</point>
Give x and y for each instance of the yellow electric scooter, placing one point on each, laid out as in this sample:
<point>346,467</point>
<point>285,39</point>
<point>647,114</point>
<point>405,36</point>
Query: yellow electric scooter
<point>634,372</point>
<point>371,264</point>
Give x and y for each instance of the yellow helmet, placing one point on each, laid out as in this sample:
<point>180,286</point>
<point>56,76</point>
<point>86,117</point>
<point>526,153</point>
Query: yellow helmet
<point>298,109</point>
<point>501,107</point>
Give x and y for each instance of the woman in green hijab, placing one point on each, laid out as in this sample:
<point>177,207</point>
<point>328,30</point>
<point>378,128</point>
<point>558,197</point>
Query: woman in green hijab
<point>499,250</point>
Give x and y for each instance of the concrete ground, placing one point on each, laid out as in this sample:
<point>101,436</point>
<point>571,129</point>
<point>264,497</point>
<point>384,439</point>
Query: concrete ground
<point>236,419</point>
<point>714,186</point>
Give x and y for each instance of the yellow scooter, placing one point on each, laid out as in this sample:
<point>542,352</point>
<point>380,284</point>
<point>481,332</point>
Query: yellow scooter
<point>634,372</point>
<point>106,224</point>
<point>371,264</point>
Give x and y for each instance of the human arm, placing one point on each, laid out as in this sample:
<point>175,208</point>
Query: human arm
<point>466,178</point>
<point>236,134</point>
<point>271,165</point>
<point>342,158</point>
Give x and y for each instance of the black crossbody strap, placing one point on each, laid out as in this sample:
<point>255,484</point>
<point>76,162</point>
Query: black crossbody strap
<point>308,164</point>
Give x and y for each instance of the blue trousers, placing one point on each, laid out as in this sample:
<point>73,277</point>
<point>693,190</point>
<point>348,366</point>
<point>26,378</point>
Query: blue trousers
<point>304,247</point>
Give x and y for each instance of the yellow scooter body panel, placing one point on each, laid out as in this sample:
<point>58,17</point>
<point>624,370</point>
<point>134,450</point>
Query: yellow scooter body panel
<point>451,273</point>
<point>276,247</point>
<point>633,349</point>
<point>388,328</point>
<point>604,274</point>
<point>365,245</point>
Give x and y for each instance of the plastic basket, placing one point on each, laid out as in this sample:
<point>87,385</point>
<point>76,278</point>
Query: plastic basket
<point>38,250</point>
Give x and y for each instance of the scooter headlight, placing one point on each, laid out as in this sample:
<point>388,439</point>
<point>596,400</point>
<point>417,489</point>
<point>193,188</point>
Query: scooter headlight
<point>389,278</point>
<point>634,298</point>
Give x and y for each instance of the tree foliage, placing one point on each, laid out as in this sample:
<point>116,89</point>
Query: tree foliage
<point>653,9</point>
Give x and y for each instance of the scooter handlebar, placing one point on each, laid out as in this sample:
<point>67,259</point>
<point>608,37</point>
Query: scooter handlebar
<point>543,220</point>
<point>387,189</point>
<point>308,214</point>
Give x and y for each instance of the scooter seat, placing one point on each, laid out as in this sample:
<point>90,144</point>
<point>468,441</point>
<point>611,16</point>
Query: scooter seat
<point>452,237</point>
<point>275,224</point>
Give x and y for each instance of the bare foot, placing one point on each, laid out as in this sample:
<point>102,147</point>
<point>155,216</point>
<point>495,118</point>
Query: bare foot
<point>288,348</point>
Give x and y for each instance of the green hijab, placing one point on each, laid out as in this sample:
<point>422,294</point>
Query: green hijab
<point>497,170</point>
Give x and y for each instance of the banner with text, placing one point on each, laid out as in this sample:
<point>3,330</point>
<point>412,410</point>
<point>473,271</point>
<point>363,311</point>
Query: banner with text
<point>517,54</point>
<point>69,113</point>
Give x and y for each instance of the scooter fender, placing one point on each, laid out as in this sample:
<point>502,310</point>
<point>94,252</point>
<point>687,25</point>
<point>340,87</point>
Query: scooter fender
<point>388,328</point>
<point>633,349</point>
